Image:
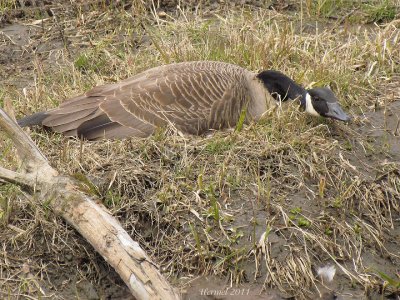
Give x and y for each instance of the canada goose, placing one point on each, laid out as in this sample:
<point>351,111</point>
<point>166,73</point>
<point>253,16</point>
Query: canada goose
<point>193,96</point>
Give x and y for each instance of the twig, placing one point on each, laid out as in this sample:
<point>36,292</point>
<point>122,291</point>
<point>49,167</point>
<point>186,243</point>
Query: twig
<point>14,177</point>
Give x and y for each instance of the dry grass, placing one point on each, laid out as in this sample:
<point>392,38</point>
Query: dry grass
<point>269,203</point>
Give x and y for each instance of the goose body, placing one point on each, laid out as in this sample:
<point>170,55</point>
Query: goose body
<point>192,96</point>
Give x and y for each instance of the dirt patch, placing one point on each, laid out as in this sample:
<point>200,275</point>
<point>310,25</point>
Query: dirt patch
<point>384,127</point>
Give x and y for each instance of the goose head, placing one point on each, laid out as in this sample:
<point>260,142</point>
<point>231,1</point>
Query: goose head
<point>320,101</point>
<point>323,102</point>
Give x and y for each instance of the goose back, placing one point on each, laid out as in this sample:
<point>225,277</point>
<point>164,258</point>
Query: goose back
<point>192,96</point>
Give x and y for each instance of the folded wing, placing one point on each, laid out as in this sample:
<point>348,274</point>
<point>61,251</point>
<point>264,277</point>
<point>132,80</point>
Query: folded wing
<point>193,97</point>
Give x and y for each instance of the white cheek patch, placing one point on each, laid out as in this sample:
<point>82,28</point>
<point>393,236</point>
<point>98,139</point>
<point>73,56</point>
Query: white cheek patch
<point>309,107</point>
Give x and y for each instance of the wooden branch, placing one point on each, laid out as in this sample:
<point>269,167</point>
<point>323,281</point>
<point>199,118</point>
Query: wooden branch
<point>27,150</point>
<point>91,220</point>
<point>15,178</point>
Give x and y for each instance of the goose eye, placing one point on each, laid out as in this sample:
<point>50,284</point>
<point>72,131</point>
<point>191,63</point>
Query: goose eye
<point>317,99</point>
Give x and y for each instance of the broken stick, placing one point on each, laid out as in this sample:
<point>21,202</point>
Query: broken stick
<point>92,221</point>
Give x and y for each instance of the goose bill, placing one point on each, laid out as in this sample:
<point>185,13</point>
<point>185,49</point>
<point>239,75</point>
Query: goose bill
<point>336,112</point>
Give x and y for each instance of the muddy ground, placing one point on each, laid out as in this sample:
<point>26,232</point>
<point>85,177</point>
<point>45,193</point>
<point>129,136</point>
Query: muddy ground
<point>75,272</point>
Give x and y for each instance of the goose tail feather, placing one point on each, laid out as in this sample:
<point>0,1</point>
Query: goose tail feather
<point>32,120</point>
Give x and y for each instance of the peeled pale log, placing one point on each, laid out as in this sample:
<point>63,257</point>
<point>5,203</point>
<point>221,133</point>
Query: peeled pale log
<point>90,219</point>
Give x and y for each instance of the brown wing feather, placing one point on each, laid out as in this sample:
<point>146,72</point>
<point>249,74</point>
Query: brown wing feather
<point>184,95</point>
<point>62,118</point>
<point>102,127</point>
<point>116,112</point>
<point>194,96</point>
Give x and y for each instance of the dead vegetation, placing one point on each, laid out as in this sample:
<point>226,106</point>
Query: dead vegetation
<point>268,204</point>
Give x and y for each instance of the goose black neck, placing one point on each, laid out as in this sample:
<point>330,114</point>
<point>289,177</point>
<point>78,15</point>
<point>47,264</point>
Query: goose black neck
<point>281,87</point>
